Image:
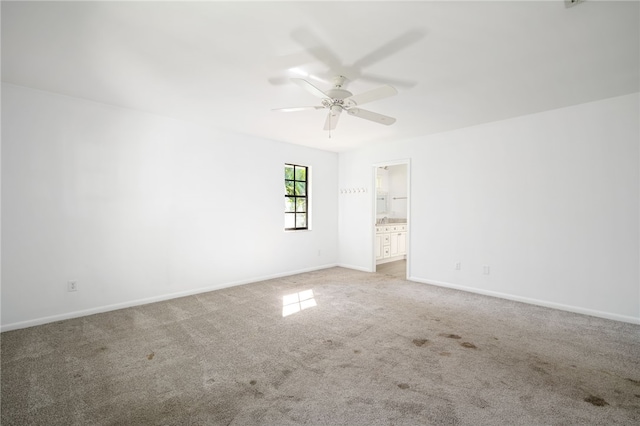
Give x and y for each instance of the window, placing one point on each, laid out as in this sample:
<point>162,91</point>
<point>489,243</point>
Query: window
<point>296,197</point>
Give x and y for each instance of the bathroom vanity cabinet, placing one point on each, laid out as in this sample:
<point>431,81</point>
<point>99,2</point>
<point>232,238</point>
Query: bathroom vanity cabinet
<point>391,242</point>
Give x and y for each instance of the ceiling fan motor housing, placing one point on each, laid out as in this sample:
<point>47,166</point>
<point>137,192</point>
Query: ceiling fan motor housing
<point>338,93</point>
<point>338,99</point>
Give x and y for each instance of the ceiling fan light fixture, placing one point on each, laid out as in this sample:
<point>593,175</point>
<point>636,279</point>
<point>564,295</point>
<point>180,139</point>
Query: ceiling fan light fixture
<point>338,93</point>
<point>338,99</point>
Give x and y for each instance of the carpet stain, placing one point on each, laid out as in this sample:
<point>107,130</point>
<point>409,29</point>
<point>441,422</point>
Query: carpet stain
<point>403,386</point>
<point>420,342</point>
<point>468,345</point>
<point>291,398</point>
<point>450,336</point>
<point>479,402</point>
<point>337,343</point>
<point>444,353</point>
<point>356,351</point>
<point>538,369</point>
<point>596,400</point>
<point>637,395</point>
<point>635,382</point>
<point>150,356</point>
<point>253,382</point>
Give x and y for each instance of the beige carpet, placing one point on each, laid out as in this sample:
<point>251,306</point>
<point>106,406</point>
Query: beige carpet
<point>359,349</point>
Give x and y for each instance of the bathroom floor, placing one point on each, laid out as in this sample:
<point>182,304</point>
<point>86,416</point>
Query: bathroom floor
<point>396,269</point>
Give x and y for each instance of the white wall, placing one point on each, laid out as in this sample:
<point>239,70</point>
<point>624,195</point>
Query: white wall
<point>138,207</point>
<point>550,202</point>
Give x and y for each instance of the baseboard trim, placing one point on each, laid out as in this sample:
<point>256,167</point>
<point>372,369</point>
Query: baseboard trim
<point>357,268</point>
<point>543,303</point>
<point>154,299</point>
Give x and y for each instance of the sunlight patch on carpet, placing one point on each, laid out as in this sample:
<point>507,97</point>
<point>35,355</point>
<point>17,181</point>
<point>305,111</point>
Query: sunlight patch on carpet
<point>296,302</point>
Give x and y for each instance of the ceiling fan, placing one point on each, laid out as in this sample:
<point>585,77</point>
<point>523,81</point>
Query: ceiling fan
<point>338,99</point>
<point>321,52</point>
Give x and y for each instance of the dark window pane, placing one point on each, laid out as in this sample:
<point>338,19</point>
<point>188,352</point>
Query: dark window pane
<point>301,173</point>
<point>289,204</point>
<point>288,172</point>
<point>301,188</point>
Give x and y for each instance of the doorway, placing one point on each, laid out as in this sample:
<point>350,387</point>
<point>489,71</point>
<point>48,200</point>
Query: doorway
<point>391,211</point>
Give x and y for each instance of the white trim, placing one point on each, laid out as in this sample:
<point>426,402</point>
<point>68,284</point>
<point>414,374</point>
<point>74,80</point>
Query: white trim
<point>139,302</point>
<point>357,268</point>
<point>552,305</point>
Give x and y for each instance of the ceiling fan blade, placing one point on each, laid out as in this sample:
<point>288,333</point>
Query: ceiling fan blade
<point>285,77</point>
<point>292,109</point>
<point>373,116</point>
<point>390,48</point>
<point>371,95</point>
<point>332,121</point>
<point>315,48</point>
<point>285,62</point>
<point>278,81</point>
<point>309,88</point>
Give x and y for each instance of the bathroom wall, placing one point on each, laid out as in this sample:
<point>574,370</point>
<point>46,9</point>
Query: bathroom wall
<point>392,182</point>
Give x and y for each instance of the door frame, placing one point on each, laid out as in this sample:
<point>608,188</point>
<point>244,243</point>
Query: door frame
<point>406,162</point>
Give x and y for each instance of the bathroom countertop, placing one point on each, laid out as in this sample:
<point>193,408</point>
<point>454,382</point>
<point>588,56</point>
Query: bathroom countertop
<point>392,222</point>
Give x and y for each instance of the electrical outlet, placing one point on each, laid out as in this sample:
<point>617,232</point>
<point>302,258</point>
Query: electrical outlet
<point>571,3</point>
<point>72,285</point>
<point>458,266</point>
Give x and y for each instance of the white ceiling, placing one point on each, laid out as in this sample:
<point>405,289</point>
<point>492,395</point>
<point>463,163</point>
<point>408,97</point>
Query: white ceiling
<point>226,64</point>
